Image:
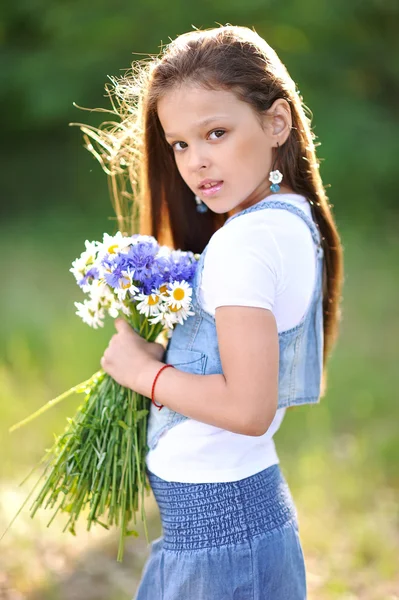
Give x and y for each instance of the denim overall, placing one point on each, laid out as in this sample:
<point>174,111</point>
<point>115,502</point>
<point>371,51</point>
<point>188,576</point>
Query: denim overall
<point>193,346</point>
<point>234,540</point>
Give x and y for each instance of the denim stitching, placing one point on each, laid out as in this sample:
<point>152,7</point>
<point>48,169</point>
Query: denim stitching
<point>285,403</point>
<point>194,332</point>
<point>293,367</point>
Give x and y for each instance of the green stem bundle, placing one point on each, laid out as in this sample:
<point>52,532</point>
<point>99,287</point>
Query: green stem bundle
<point>98,463</point>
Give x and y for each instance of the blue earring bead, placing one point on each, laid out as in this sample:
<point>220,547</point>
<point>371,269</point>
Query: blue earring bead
<point>275,177</point>
<point>201,207</point>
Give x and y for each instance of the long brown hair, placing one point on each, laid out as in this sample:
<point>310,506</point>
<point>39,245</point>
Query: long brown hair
<point>135,153</point>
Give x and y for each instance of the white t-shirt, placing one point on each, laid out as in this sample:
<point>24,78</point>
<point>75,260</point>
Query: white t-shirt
<point>266,259</point>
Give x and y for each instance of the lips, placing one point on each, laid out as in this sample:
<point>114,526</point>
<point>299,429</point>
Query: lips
<point>209,184</point>
<point>210,187</point>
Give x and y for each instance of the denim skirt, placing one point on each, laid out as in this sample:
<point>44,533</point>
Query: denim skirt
<point>235,540</point>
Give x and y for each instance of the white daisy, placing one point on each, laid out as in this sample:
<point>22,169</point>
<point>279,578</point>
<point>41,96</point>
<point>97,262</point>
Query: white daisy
<point>92,248</point>
<point>148,305</point>
<point>86,261</point>
<point>165,316</point>
<point>81,265</point>
<point>90,313</point>
<point>101,292</point>
<point>179,295</point>
<point>182,314</point>
<point>126,286</point>
<point>163,291</point>
<point>170,316</point>
<point>126,309</point>
<point>78,268</point>
<point>149,239</point>
<point>116,307</point>
<point>114,244</point>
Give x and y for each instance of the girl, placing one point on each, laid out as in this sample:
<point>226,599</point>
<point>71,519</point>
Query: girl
<point>229,170</point>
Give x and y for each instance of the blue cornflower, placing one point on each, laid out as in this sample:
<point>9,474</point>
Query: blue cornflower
<point>181,266</point>
<point>113,278</point>
<point>90,276</point>
<point>141,258</point>
<point>151,283</point>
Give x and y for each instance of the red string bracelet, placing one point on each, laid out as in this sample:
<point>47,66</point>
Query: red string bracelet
<point>159,406</point>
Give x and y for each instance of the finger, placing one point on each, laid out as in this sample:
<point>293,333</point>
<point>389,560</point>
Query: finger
<point>120,324</point>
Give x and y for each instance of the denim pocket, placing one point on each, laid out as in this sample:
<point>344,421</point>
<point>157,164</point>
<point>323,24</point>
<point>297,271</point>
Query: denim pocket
<point>190,361</point>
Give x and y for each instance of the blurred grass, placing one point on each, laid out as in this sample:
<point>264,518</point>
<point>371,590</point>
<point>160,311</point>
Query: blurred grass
<point>339,457</point>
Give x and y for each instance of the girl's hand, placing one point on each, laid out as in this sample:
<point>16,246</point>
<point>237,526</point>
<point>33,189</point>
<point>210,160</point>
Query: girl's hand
<point>128,353</point>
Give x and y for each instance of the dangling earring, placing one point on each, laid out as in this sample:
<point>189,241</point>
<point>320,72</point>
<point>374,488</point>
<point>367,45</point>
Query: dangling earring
<point>275,176</point>
<point>201,207</point>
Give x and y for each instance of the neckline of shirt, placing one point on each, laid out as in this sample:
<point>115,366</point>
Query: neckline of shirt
<point>289,197</point>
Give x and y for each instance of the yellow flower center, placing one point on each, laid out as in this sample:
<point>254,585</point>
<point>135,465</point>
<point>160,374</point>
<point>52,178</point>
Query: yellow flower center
<point>173,309</point>
<point>153,299</point>
<point>164,289</point>
<point>178,294</point>
<point>111,249</point>
<point>125,284</point>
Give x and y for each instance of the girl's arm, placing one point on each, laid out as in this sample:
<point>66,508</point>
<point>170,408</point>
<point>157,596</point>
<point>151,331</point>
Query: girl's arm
<point>243,399</point>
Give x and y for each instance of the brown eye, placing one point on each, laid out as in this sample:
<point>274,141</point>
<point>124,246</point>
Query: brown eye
<point>175,144</point>
<point>217,132</point>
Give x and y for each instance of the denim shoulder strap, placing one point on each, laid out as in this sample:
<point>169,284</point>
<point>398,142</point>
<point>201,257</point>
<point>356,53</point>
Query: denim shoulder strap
<point>263,204</point>
<point>285,205</point>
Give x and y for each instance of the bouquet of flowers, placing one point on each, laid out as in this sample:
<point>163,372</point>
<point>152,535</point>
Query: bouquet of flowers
<point>98,462</point>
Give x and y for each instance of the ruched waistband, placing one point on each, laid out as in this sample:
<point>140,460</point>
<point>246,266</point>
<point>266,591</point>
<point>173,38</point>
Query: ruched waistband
<point>202,515</point>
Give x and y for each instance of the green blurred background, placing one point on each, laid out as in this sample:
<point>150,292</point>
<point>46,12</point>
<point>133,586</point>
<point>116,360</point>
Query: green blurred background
<point>341,457</point>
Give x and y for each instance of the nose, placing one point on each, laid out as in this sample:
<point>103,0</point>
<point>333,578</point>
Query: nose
<point>197,158</point>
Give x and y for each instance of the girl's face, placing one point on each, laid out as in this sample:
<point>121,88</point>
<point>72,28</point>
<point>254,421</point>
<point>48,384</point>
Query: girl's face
<point>221,150</point>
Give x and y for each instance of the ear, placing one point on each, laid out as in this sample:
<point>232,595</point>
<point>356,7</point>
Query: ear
<point>279,121</point>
